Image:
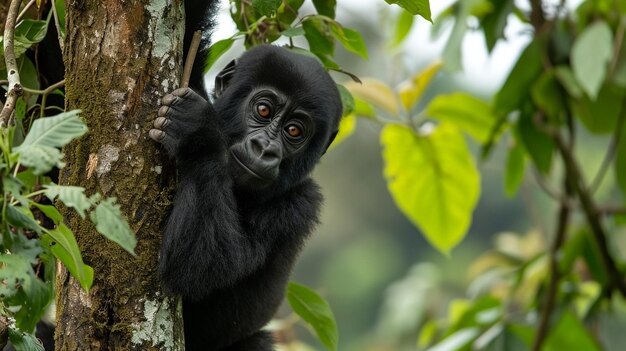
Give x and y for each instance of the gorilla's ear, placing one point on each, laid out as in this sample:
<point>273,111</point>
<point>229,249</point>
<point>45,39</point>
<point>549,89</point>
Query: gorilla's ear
<point>223,78</point>
<point>330,140</point>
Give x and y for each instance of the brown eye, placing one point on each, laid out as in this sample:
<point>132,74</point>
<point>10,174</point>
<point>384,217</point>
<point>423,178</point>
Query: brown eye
<point>293,131</point>
<point>263,110</point>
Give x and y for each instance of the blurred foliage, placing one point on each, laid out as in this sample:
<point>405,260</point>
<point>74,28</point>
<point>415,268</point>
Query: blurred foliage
<point>542,290</point>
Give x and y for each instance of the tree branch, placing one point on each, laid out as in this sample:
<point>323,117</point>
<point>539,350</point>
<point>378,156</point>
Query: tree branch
<point>555,274</point>
<point>15,89</point>
<point>591,213</point>
<point>537,18</point>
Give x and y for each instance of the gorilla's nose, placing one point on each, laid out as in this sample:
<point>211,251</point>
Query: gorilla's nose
<point>266,150</point>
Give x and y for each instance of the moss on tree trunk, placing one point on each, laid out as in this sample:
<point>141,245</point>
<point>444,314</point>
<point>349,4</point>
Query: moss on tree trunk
<point>120,57</point>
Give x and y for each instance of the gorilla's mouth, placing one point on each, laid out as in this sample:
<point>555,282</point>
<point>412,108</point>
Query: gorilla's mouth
<point>249,170</point>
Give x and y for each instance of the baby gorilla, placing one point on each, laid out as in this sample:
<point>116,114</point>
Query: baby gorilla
<point>244,203</point>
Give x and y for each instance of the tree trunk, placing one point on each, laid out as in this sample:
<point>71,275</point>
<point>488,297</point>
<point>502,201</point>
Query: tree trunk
<point>120,58</point>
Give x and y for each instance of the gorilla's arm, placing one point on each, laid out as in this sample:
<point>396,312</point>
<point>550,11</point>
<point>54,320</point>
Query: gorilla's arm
<point>207,242</point>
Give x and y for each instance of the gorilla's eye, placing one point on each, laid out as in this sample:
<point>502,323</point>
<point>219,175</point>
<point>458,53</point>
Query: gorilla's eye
<point>263,110</point>
<point>293,131</point>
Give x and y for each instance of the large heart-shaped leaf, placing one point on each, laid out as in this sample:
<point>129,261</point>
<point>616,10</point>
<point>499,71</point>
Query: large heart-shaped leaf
<point>433,180</point>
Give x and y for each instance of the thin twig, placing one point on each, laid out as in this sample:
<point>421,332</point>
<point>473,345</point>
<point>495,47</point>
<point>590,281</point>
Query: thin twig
<point>57,24</point>
<point>610,154</point>
<point>15,88</point>
<point>19,17</point>
<point>552,193</point>
<point>191,57</point>
<point>45,93</point>
<point>555,274</point>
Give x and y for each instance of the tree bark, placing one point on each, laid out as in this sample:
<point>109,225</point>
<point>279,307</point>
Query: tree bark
<point>120,56</point>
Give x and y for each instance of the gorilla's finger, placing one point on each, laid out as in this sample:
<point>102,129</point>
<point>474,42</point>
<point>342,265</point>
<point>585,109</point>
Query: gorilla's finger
<point>168,99</point>
<point>161,122</point>
<point>182,92</point>
<point>156,134</point>
<point>163,111</point>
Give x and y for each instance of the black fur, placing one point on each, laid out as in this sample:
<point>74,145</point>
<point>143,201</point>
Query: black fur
<point>229,248</point>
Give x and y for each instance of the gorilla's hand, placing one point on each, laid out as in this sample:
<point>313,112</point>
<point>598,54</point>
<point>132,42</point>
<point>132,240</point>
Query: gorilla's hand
<point>182,114</point>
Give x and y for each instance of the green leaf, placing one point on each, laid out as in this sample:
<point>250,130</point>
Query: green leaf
<point>29,249</point>
<point>590,56</point>
<point>266,7</point>
<point>347,100</point>
<point>566,77</point>
<point>569,334</point>
<point>60,7</point>
<point>505,340</point>
<point>27,33</point>
<point>517,86</point>
<point>71,196</point>
<point>325,7</point>
<point>110,222</point>
<point>547,95</point>
<point>514,173</point>
<point>404,23</point>
<point>21,217</point>
<point>600,116</point>
<point>315,311</point>
<point>23,341</point>
<point>64,247</point>
<point>415,7</point>
<point>30,30</point>
<point>375,92</point>
<point>16,269</point>
<point>471,114</point>
<point>433,180</point>
<point>456,341</point>
<point>55,131</point>
<point>39,149</point>
<point>50,212</point>
<point>620,162</point>
<point>539,145</point>
<point>15,187</point>
<point>40,158</point>
<point>350,39</point>
<point>34,297</point>
<point>493,23</point>
<point>363,109</point>
<point>411,91</point>
<point>319,36</point>
<point>216,51</point>
<point>293,32</point>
